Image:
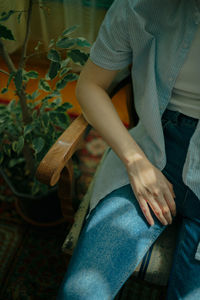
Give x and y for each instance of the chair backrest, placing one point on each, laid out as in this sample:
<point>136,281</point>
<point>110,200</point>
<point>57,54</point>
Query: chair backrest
<point>124,80</point>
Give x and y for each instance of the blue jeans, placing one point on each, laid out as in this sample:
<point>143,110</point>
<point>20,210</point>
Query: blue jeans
<point>116,235</point>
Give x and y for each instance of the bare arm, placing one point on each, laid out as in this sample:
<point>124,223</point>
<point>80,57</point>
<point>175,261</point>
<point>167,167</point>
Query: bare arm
<point>101,114</point>
<point>99,111</point>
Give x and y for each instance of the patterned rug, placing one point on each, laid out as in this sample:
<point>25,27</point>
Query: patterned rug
<point>32,264</point>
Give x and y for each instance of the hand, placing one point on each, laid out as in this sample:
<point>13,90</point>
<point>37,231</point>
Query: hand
<point>152,188</point>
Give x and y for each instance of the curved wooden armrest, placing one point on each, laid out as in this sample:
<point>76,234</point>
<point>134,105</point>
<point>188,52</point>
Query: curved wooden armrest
<point>59,154</point>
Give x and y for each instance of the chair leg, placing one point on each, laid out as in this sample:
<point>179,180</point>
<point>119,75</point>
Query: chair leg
<point>65,191</point>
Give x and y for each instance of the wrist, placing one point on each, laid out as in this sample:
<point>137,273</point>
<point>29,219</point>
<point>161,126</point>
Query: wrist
<point>132,157</point>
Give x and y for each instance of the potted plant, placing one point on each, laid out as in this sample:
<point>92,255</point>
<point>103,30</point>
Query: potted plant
<point>29,125</point>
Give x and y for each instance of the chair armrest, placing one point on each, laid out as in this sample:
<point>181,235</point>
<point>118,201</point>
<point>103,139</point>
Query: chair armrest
<point>57,157</point>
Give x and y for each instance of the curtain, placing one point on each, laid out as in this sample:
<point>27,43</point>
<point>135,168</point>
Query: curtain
<point>53,18</point>
<point>57,15</point>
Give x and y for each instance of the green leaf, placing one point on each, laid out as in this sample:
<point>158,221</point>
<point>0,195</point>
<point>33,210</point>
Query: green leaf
<point>4,90</point>
<point>54,55</point>
<point>51,43</point>
<point>38,46</point>
<point>14,146</point>
<point>6,33</point>
<point>78,56</point>
<point>53,70</point>
<point>13,131</point>
<point>65,106</point>
<point>83,42</point>
<point>69,30</point>
<point>55,93</point>
<point>45,120</point>
<point>7,149</point>
<point>6,15</point>
<point>28,128</point>
<point>3,120</point>
<point>19,17</point>
<point>66,43</point>
<point>15,161</point>
<point>43,85</point>
<point>36,188</point>
<point>34,104</point>
<point>3,106</point>
<point>62,120</point>
<point>57,101</point>
<point>35,95</point>
<point>38,144</point>
<point>65,62</point>
<point>64,71</point>
<point>34,114</point>
<point>12,105</point>
<point>18,79</point>
<point>46,98</point>
<point>17,146</point>
<point>32,74</point>
<point>10,78</point>
<point>62,82</point>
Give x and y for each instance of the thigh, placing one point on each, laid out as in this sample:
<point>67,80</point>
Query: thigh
<point>113,241</point>
<point>184,281</point>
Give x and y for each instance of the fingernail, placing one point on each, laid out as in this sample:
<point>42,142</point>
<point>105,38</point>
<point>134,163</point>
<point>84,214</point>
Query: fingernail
<point>151,222</point>
<point>165,223</point>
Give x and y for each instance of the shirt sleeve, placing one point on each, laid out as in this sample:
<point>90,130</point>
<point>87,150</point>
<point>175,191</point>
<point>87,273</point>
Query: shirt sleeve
<point>112,50</point>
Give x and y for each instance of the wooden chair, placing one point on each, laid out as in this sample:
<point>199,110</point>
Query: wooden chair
<point>57,167</point>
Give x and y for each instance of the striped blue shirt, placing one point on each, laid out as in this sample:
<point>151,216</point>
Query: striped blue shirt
<point>155,36</point>
<point>132,32</point>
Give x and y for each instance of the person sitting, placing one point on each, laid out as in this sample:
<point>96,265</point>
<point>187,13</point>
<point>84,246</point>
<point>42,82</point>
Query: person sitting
<point>151,174</point>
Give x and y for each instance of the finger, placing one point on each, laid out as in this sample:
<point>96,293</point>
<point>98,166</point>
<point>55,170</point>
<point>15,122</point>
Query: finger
<point>170,185</point>
<point>145,209</point>
<point>171,203</point>
<point>165,209</point>
<point>157,210</point>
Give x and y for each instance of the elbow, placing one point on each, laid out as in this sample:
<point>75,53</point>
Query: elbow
<point>79,92</point>
<point>82,88</point>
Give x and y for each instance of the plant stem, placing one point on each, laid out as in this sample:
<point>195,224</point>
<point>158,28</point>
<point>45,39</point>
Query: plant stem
<point>27,152</point>
<point>33,54</point>
<point>4,72</point>
<point>21,93</point>
<point>28,23</point>
<point>25,110</point>
<point>30,162</point>
<point>7,58</point>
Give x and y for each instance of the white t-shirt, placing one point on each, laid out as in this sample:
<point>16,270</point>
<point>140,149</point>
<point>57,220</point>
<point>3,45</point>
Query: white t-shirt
<point>186,92</point>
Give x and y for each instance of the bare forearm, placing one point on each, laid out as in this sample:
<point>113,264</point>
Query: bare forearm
<point>101,114</point>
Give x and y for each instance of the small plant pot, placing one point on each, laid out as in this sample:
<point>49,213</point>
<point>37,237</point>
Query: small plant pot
<point>39,211</point>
